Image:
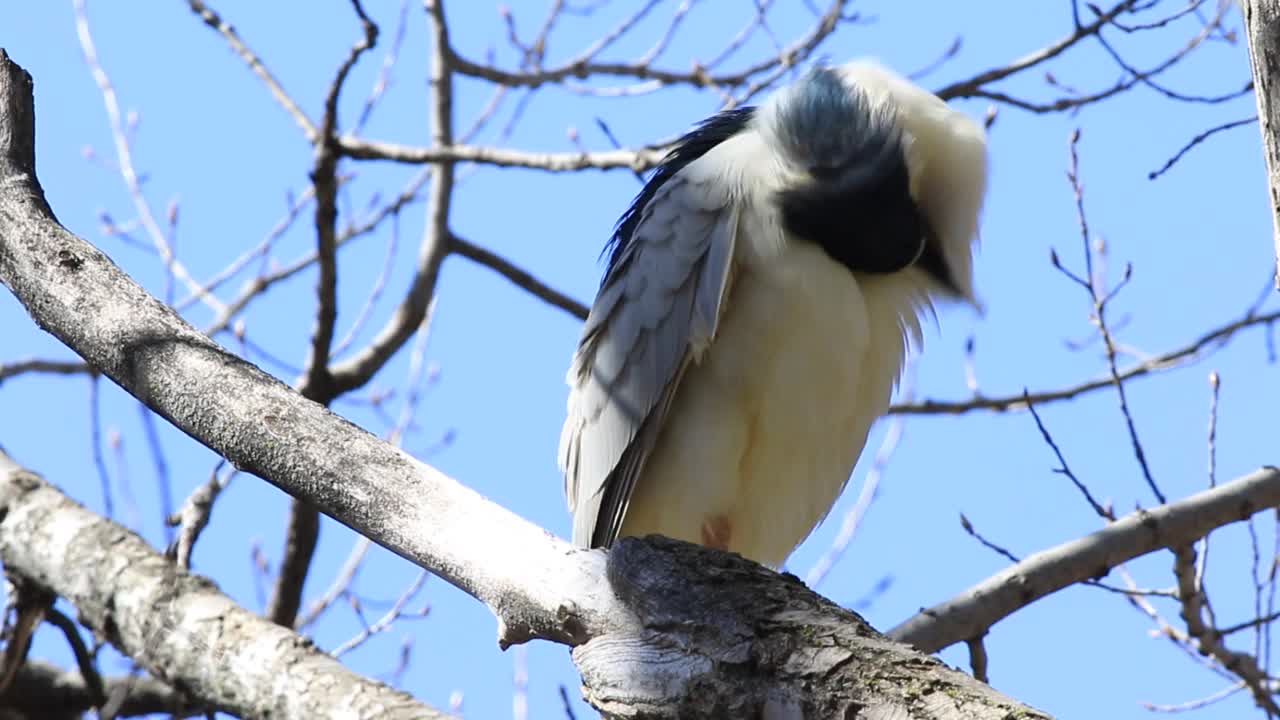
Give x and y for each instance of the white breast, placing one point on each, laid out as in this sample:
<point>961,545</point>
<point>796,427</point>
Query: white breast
<point>765,430</point>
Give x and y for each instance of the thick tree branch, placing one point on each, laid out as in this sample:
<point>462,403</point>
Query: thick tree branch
<point>317,381</point>
<point>176,625</point>
<point>46,692</point>
<point>1174,525</point>
<point>660,627</point>
<point>1262,23</point>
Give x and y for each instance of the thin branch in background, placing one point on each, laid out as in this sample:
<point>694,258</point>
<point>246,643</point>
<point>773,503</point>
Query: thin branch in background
<point>294,208</point>
<point>38,365</point>
<point>260,570</point>
<point>95,445</point>
<point>324,178</point>
<point>1103,511</point>
<point>357,371</point>
<point>85,660</point>
<point>1209,28</point>
<point>970,368</point>
<point>876,591</point>
<point>414,379</point>
<point>265,280</point>
<point>1196,140</point>
<point>124,157</point>
<point>164,483</point>
<point>1215,384</point>
<point>1249,624</point>
<point>1100,297</point>
<point>613,139</point>
<point>997,549</point>
<point>389,60</point>
<point>949,53</point>
<point>384,623</point>
<point>1193,351</point>
<point>192,518</point>
<point>341,585</point>
<point>669,32</point>
<point>1175,635</point>
<point>223,28</point>
<point>375,292</point>
<point>1190,9</point>
<point>302,533</point>
<point>517,276</point>
<point>1200,704</point>
<point>977,86</point>
<point>566,705</point>
<point>130,501</point>
<point>971,85</point>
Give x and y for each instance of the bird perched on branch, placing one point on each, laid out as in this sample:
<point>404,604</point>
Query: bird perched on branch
<point>761,294</point>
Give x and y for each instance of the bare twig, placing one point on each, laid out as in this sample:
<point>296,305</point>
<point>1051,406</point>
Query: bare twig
<point>1196,140</point>
<point>519,277</point>
<point>223,28</point>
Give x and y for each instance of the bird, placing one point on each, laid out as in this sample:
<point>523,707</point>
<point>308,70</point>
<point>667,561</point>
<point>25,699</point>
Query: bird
<point>759,299</point>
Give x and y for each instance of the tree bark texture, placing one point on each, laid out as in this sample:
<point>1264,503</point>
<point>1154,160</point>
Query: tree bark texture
<point>1262,25</point>
<point>178,626</point>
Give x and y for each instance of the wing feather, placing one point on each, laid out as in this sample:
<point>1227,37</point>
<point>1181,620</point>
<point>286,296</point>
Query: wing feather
<point>657,310</point>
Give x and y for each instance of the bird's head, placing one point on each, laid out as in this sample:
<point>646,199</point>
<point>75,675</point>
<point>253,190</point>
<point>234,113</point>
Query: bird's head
<point>880,172</point>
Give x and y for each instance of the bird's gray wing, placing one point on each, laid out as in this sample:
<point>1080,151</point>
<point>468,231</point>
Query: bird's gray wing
<point>656,311</point>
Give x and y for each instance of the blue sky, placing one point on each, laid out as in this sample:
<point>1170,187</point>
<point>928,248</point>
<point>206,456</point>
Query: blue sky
<point>210,138</point>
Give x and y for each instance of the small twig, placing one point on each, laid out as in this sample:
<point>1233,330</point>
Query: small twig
<point>997,549</point>
<point>396,612</point>
<point>164,483</point>
<point>194,515</point>
<point>519,277</point>
<point>1100,298</point>
<point>1105,512</point>
<point>223,28</point>
<point>95,445</point>
<point>1199,138</point>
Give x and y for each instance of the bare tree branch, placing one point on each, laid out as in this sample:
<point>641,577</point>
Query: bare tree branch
<point>317,382</point>
<point>177,626</point>
<point>47,692</point>
<point>1169,526</point>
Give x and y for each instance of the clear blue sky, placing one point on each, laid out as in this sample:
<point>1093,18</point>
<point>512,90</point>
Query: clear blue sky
<point>211,137</point>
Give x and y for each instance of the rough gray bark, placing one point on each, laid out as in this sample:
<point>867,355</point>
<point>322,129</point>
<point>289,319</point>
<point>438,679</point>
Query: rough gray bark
<point>176,625</point>
<point>722,637</point>
<point>693,640</point>
<point>1262,25</point>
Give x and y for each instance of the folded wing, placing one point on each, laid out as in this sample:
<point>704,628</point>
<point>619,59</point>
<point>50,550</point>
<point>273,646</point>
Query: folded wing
<point>656,311</point>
